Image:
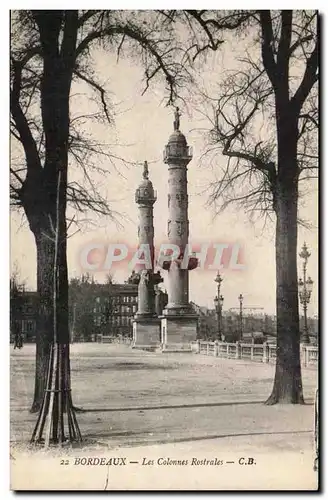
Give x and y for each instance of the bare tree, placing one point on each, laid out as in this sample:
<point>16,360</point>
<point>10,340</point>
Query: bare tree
<point>264,120</point>
<point>50,49</point>
<point>57,399</point>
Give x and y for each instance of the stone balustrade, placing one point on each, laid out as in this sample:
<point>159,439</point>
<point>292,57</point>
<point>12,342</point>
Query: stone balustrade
<point>264,353</point>
<point>110,339</point>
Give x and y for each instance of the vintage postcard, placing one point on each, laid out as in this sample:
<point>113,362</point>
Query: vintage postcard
<point>164,250</point>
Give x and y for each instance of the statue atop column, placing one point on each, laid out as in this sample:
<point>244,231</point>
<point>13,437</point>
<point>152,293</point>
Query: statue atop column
<point>145,173</point>
<point>176,123</point>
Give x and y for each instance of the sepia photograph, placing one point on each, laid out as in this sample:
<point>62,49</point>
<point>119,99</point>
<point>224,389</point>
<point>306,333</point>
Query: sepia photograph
<point>164,241</point>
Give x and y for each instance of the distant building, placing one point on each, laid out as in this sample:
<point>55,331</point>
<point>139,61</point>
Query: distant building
<point>23,314</point>
<point>111,308</point>
<point>114,308</point>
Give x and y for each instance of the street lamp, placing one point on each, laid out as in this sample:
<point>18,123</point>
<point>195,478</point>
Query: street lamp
<point>240,298</point>
<point>218,301</point>
<point>305,290</point>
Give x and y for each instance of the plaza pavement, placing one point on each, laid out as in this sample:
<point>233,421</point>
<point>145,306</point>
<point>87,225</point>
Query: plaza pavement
<point>158,405</point>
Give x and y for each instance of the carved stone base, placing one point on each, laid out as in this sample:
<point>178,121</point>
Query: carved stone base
<point>177,310</point>
<point>146,333</point>
<point>178,332</point>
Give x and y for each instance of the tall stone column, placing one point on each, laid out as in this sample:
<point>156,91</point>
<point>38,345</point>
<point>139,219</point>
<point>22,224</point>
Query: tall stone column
<point>179,322</point>
<point>145,198</point>
<point>146,325</point>
<point>178,231</point>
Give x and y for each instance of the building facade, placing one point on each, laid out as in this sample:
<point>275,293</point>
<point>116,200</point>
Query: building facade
<point>113,309</point>
<point>23,314</point>
<point>113,313</point>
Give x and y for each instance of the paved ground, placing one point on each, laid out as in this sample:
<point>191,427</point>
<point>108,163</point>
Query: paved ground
<point>171,403</point>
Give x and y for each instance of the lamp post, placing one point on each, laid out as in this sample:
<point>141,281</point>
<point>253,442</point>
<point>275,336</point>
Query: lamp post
<point>240,298</point>
<point>218,301</point>
<point>305,290</point>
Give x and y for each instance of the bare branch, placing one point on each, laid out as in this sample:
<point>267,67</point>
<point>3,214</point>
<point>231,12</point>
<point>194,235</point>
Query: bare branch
<point>157,49</point>
<point>267,46</point>
<point>310,118</point>
<point>21,124</point>
<point>96,86</point>
<point>310,76</point>
<point>85,16</point>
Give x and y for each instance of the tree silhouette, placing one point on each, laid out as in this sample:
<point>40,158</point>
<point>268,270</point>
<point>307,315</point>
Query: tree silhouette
<point>264,120</point>
<point>50,49</point>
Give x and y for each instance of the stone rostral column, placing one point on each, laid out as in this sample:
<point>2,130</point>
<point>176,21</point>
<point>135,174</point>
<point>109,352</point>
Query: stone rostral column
<point>179,322</point>
<point>146,325</point>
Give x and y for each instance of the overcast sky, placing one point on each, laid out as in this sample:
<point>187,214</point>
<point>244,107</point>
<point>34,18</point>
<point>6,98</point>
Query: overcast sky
<point>144,124</point>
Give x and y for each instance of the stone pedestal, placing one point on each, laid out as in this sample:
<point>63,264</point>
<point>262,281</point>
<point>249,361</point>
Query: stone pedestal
<point>178,332</point>
<point>146,333</point>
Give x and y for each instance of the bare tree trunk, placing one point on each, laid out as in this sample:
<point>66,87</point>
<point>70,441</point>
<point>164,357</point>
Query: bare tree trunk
<point>55,90</point>
<point>57,406</point>
<point>288,380</point>
<point>44,330</point>
<point>44,333</point>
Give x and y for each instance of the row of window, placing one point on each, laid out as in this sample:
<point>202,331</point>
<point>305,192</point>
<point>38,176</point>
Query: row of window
<point>129,309</point>
<point>115,321</point>
<point>118,310</point>
<point>126,299</point>
<point>118,299</point>
<point>122,321</point>
<point>26,325</point>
